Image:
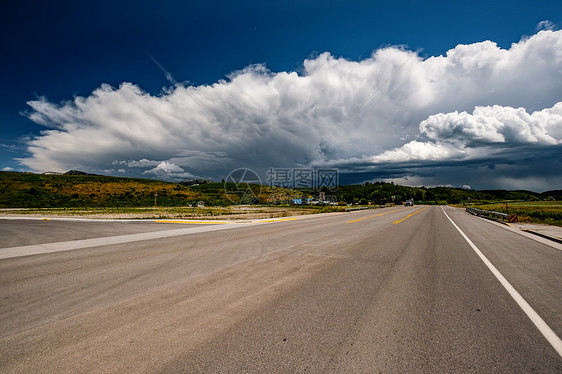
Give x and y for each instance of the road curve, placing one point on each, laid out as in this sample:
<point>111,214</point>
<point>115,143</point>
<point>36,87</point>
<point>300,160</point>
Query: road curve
<point>390,290</point>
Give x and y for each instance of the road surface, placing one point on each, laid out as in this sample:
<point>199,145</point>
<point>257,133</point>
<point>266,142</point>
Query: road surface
<point>394,290</point>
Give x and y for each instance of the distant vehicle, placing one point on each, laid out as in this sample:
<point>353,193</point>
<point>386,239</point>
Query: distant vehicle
<point>409,202</point>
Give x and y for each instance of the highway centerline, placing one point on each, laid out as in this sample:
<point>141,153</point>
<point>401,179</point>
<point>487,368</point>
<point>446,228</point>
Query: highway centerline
<point>408,216</point>
<point>541,325</point>
<point>376,215</point>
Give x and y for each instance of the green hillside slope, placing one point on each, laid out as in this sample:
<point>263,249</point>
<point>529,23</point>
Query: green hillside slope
<point>26,190</point>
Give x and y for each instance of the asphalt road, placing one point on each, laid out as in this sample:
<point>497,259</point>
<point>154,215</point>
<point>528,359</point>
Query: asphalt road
<point>394,290</point>
<point>39,231</point>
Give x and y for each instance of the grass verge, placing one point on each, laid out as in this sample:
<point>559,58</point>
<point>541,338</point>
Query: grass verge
<point>543,212</point>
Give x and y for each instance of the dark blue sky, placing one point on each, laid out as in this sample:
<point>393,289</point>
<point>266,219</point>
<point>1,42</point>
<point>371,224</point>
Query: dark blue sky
<point>63,49</point>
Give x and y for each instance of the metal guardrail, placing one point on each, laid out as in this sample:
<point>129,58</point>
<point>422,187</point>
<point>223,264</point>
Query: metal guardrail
<point>491,214</point>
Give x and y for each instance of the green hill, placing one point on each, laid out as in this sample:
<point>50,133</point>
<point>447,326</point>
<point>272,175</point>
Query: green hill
<point>27,190</point>
<point>78,189</point>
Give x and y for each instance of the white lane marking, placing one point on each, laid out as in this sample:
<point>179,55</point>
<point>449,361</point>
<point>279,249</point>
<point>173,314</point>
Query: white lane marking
<point>547,332</point>
<point>110,240</point>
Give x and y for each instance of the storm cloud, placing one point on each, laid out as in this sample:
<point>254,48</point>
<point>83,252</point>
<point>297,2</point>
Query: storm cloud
<point>394,116</point>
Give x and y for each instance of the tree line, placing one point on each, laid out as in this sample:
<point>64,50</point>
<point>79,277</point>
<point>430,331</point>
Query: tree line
<point>384,193</point>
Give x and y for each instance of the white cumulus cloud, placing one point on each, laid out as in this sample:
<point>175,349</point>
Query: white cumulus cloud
<point>546,25</point>
<point>393,107</point>
<point>166,167</point>
<point>169,171</point>
<point>419,151</point>
<point>496,124</point>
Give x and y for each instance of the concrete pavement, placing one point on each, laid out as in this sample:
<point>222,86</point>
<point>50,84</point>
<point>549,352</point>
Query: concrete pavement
<point>546,231</point>
<point>393,290</point>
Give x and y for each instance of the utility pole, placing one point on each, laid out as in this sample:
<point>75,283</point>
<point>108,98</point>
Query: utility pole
<point>155,197</point>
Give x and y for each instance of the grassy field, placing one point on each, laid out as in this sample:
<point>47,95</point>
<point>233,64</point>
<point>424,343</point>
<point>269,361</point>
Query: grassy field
<point>546,212</point>
<point>234,212</point>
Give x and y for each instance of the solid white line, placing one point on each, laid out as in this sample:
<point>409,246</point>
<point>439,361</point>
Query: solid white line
<point>28,250</point>
<point>547,332</point>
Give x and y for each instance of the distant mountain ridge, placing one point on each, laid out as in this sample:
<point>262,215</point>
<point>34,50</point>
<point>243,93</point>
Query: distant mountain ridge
<point>194,182</point>
<point>78,172</point>
<point>71,172</point>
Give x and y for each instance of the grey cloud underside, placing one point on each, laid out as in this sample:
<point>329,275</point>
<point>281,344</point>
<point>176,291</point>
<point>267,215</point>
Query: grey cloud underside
<point>389,116</point>
<point>533,168</point>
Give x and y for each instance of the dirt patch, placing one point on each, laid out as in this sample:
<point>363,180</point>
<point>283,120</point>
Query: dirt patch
<point>233,213</point>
